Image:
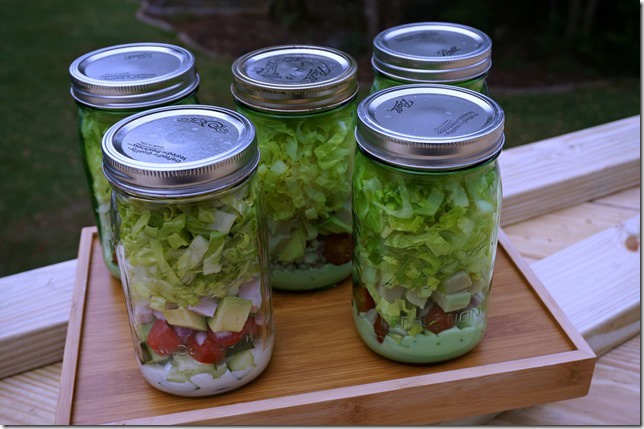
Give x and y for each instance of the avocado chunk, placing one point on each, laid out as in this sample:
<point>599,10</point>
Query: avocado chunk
<point>231,314</point>
<point>185,318</point>
<point>240,361</point>
<point>458,281</point>
<point>452,301</point>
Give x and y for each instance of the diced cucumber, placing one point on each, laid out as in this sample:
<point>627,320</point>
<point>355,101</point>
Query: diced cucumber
<point>241,361</point>
<point>184,367</point>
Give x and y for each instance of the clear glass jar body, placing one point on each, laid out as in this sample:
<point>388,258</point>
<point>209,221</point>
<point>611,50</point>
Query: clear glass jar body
<point>93,123</point>
<point>382,81</point>
<point>195,277</point>
<point>305,175</point>
<point>425,245</point>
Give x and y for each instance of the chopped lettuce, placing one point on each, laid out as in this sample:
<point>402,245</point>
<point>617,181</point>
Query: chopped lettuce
<point>305,175</point>
<point>93,124</point>
<point>435,231</point>
<point>181,252</point>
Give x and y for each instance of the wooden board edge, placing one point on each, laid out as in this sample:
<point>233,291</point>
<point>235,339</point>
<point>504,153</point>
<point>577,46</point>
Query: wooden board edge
<point>531,193</point>
<point>540,201</point>
<point>74,329</point>
<point>539,288</point>
<point>358,404</point>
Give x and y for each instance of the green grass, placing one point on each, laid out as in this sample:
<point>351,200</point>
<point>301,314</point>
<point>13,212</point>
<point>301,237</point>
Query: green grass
<point>44,200</point>
<point>535,116</point>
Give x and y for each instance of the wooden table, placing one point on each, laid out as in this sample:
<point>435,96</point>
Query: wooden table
<point>571,208</point>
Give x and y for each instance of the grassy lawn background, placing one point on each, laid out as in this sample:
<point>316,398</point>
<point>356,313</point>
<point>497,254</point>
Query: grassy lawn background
<point>44,201</point>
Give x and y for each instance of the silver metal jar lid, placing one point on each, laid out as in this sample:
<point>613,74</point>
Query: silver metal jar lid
<point>179,151</point>
<point>430,127</point>
<point>295,78</point>
<point>133,76</point>
<point>432,52</point>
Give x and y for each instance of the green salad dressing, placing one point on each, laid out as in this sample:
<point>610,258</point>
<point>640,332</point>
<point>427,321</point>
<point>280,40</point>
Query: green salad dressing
<point>423,348</point>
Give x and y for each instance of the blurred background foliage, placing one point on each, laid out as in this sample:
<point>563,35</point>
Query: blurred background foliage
<point>558,66</point>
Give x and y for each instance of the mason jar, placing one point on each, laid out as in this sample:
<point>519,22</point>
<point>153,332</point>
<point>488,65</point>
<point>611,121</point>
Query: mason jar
<point>191,246</point>
<point>426,204</point>
<point>432,52</point>
<point>301,100</point>
<point>111,83</point>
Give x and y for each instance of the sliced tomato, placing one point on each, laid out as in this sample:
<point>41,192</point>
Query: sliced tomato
<point>381,328</point>
<point>362,298</point>
<point>230,338</point>
<point>436,320</point>
<point>162,338</point>
<point>207,352</point>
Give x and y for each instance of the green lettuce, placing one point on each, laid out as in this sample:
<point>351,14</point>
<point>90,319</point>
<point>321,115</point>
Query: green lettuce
<point>93,125</point>
<point>305,175</point>
<point>180,252</point>
<point>416,234</point>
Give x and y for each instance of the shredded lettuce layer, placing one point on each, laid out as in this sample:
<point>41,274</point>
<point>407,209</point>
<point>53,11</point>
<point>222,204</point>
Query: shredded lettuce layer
<point>181,252</point>
<point>305,175</point>
<point>93,125</point>
<point>425,240</point>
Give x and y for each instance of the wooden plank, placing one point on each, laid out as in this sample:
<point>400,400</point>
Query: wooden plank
<point>601,294</point>
<point>613,399</point>
<point>34,310</point>
<point>569,169</point>
<point>72,342</point>
<point>30,398</point>
<point>545,235</point>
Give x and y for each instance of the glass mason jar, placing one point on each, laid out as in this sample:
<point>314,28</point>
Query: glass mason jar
<point>112,83</point>
<point>301,100</point>
<point>191,246</point>
<point>426,203</point>
<point>432,52</point>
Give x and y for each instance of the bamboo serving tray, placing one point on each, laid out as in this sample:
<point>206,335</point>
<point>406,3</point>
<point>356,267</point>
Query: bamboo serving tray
<point>321,373</point>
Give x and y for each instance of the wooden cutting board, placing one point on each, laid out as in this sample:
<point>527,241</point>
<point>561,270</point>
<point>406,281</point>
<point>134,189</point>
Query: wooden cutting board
<point>321,373</point>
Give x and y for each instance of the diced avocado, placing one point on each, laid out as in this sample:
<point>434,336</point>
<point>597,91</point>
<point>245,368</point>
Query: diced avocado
<point>231,314</point>
<point>458,281</point>
<point>185,318</point>
<point>242,360</point>
<point>479,285</point>
<point>452,301</point>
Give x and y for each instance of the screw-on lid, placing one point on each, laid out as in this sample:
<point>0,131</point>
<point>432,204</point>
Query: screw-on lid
<point>179,151</point>
<point>133,76</point>
<point>432,52</point>
<point>294,78</point>
<point>430,127</point>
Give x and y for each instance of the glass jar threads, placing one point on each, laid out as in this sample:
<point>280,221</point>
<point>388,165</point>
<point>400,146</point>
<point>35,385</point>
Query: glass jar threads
<point>426,204</point>
<point>301,100</point>
<point>111,83</point>
<point>432,52</point>
<point>191,246</point>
